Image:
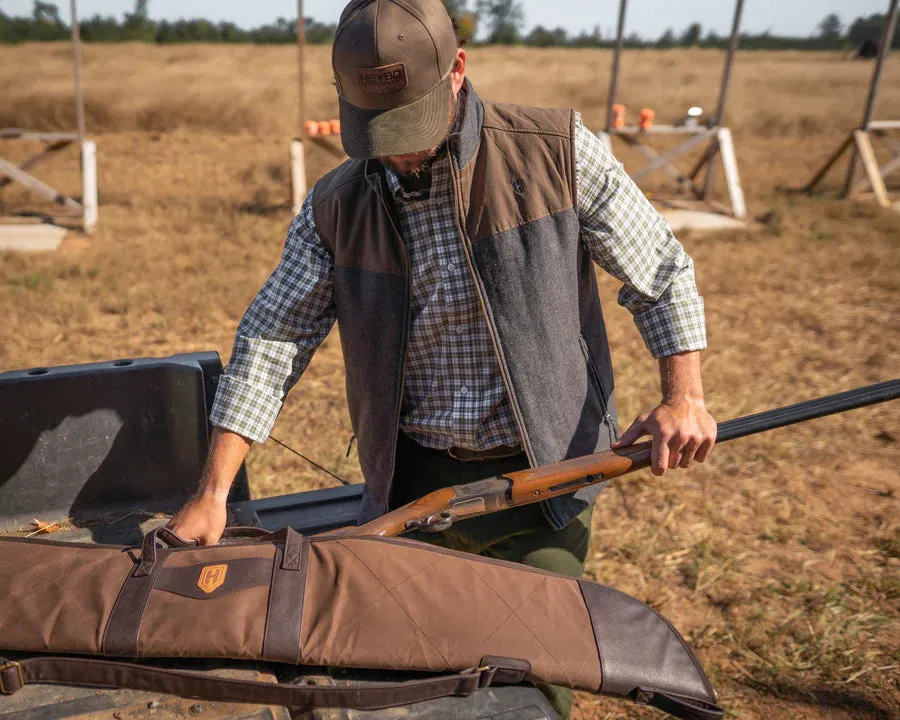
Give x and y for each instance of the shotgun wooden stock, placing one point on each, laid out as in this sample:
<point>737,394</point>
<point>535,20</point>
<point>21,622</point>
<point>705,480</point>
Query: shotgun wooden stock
<point>438,510</point>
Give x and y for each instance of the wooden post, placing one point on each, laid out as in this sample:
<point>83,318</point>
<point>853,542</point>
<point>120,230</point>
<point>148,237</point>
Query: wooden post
<point>709,182</point>
<point>732,179</point>
<point>298,146</point>
<point>887,39</point>
<point>76,58</point>
<point>867,155</point>
<point>301,44</point>
<point>41,188</point>
<point>89,185</point>
<point>614,77</point>
<point>298,175</point>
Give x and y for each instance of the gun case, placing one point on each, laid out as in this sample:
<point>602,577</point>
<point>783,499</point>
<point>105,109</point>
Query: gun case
<point>342,601</point>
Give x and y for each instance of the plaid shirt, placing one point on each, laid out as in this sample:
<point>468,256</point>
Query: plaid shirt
<point>454,393</point>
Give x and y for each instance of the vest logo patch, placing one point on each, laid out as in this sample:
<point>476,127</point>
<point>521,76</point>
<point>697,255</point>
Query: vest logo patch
<point>387,78</point>
<point>212,577</point>
<point>519,187</point>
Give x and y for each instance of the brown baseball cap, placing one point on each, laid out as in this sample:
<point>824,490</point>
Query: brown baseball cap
<point>392,61</point>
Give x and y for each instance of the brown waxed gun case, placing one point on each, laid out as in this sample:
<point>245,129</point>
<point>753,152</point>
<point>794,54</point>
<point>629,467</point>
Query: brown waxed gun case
<point>343,601</point>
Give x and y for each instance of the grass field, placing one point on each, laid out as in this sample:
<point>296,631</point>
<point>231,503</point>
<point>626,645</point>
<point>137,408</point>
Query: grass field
<point>778,559</point>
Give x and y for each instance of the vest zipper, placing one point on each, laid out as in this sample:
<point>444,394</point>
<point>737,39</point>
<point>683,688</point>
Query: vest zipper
<point>495,341</point>
<point>611,428</point>
<point>406,267</point>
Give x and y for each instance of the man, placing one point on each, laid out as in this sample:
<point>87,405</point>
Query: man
<point>455,250</point>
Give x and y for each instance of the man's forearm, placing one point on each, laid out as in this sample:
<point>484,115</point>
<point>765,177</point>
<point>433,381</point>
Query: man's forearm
<point>680,378</point>
<point>204,516</point>
<point>227,451</point>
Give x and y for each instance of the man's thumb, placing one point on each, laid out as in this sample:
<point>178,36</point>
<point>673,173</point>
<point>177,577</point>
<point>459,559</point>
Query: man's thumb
<point>634,431</point>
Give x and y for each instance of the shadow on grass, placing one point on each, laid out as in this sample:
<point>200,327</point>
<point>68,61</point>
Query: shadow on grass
<point>860,705</point>
<point>261,209</point>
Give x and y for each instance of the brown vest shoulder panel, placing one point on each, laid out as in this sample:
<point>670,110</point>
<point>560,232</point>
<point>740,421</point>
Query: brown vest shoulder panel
<point>524,170</point>
<point>352,222</point>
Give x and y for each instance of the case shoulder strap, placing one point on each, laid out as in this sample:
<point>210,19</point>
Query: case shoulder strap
<point>183,683</point>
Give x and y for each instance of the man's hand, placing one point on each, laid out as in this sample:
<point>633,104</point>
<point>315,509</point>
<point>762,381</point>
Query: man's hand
<point>203,519</point>
<point>681,432</point>
<point>681,428</point>
<point>204,516</point>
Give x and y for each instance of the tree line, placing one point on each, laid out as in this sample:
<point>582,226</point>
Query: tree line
<point>488,21</point>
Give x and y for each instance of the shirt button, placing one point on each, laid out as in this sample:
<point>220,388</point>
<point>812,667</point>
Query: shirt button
<point>450,267</point>
<point>463,390</point>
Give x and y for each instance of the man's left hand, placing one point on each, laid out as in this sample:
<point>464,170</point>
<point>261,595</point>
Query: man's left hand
<point>682,431</point>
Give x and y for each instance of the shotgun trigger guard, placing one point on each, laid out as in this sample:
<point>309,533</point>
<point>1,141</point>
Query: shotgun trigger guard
<point>432,523</point>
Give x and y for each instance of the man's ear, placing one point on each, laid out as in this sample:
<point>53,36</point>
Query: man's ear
<point>458,74</point>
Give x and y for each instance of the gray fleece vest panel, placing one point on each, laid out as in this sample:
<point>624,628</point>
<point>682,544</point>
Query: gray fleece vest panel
<point>515,177</point>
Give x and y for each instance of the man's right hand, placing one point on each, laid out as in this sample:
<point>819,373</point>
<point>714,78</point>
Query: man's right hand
<point>204,516</point>
<point>202,519</point>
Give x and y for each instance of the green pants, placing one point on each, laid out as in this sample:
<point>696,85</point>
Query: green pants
<point>521,535</point>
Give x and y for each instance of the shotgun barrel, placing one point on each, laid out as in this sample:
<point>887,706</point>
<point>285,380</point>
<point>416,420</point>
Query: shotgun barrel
<point>809,410</point>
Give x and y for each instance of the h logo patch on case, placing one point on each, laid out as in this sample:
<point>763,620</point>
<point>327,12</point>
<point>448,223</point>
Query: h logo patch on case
<point>212,577</point>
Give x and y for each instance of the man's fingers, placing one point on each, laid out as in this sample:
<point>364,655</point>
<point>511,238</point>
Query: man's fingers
<point>674,445</point>
<point>704,450</point>
<point>688,452</point>
<point>659,456</point>
<point>634,431</point>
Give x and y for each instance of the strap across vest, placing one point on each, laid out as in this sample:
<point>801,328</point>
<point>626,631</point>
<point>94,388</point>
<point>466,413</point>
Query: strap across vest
<point>108,674</point>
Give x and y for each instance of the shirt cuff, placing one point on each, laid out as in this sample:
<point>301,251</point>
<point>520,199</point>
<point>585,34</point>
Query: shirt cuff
<point>245,409</point>
<point>673,327</point>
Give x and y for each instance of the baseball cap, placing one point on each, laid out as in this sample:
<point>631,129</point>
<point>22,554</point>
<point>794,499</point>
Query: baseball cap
<point>392,61</point>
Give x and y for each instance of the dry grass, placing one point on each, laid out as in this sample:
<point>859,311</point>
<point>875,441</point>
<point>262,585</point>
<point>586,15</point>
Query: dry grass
<point>778,558</point>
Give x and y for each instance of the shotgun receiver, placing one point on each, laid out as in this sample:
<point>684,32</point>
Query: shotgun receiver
<point>438,510</point>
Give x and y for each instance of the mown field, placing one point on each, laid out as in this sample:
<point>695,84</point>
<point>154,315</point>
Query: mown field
<point>778,559</point>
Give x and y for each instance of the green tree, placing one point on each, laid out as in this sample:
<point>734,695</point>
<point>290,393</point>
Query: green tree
<point>138,25</point>
<point>505,19</point>
<point>587,39</point>
<point>691,36</point>
<point>869,29</point>
<point>831,27</point>
<point>542,37</point>
<point>464,22</point>
<point>667,39</point>
<point>46,12</point>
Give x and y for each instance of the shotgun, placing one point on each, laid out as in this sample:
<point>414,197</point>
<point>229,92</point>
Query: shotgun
<point>438,510</point>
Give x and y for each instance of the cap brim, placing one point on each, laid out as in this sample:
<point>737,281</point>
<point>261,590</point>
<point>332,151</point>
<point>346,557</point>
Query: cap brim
<point>413,128</point>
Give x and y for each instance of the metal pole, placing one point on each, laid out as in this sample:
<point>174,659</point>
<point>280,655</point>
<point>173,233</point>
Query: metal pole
<point>614,78</point>
<point>887,39</point>
<point>76,52</point>
<point>301,43</point>
<point>710,180</point>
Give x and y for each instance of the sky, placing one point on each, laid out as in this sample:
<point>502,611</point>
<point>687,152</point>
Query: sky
<point>649,18</point>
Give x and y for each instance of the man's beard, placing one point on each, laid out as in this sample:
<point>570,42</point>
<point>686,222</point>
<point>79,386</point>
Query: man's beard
<point>425,159</point>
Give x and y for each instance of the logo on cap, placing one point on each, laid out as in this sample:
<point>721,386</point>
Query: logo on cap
<point>387,78</point>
